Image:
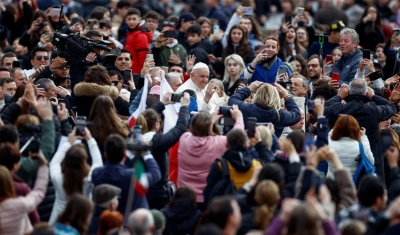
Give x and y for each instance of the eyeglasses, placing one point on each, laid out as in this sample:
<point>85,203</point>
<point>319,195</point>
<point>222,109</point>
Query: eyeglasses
<point>152,21</point>
<point>64,67</point>
<point>39,57</point>
<point>313,65</point>
<point>123,58</point>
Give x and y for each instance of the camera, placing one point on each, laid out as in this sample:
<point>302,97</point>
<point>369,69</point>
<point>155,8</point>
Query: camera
<point>30,138</point>
<point>134,141</point>
<point>42,25</point>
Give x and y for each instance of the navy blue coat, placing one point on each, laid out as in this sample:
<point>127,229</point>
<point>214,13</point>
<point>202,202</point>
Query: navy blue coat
<point>121,176</point>
<point>266,114</point>
<point>347,66</point>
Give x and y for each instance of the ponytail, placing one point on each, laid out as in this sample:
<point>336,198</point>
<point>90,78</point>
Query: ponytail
<point>263,216</point>
<point>141,120</point>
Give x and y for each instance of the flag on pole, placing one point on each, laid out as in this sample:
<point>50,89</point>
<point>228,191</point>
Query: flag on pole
<point>143,99</point>
<point>141,184</point>
<point>171,111</point>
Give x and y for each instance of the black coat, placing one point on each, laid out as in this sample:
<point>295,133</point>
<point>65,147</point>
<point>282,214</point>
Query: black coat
<point>181,219</point>
<point>368,114</point>
<point>162,143</point>
<point>369,37</point>
<point>201,50</point>
<point>86,93</point>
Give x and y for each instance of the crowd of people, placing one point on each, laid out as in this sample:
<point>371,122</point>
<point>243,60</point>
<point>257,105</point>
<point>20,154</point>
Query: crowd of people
<point>190,118</point>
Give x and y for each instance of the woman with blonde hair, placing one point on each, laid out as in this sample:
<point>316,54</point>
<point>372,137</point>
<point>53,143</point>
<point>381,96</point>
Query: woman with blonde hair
<point>267,198</point>
<point>266,106</point>
<point>234,66</point>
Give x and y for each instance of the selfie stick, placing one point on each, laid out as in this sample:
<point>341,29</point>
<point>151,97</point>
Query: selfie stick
<point>59,25</point>
<point>321,39</point>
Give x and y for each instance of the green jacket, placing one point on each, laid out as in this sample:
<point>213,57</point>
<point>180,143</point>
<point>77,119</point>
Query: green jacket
<point>29,166</point>
<point>178,49</point>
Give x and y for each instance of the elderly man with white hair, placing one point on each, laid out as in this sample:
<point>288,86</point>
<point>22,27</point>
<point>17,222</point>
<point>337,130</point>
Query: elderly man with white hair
<point>141,222</point>
<point>198,82</point>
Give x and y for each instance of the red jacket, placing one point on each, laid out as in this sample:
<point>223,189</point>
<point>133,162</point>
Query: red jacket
<point>137,43</point>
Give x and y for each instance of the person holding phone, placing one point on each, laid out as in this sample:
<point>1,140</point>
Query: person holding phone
<point>370,28</point>
<point>290,44</point>
<point>40,25</point>
<point>265,66</point>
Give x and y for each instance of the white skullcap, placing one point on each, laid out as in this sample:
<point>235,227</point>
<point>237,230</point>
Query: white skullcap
<point>200,65</point>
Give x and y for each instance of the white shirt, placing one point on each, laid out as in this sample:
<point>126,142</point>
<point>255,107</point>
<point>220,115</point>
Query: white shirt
<point>189,84</point>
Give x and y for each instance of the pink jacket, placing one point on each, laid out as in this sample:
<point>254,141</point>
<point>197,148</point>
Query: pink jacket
<point>195,156</point>
<point>14,211</point>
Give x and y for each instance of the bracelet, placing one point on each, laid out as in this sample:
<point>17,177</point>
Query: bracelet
<point>251,67</point>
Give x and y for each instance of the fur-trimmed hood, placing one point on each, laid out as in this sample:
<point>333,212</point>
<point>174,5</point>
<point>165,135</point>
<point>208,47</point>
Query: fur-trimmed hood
<point>95,90</point>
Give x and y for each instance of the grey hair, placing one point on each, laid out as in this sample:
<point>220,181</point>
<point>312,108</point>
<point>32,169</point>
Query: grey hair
<point>305,81</point>
<point>140,222</point>
<point>354,35</point>
<point>169,76</point>
<point>358,87</point>
<point>45,83</point>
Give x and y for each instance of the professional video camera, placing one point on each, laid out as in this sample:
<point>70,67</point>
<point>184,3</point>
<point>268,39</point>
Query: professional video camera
<point>74,45</point>
<point>30,138</point>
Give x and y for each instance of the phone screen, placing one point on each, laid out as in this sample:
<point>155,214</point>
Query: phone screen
<point>80,125</point>
<point>91,24</point>
<point>328,58</point>
<point>387,141</point>
<point>310,106</point>
<point>215,29</point>
<point>248,11</point>
<point>282,69</point>
<point>251,126</point>
<point>149,57</point>
<point>376,75</point>
<point>176,98</point>
<point>335,77</point>
<point>127,76</point>
<point>75,21</point>
<point>366,54</point>
<point>308,142</point>
<point>244,81</point>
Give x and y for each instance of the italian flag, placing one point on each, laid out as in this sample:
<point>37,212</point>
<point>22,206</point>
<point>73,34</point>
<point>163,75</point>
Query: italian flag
<point>141,183</point>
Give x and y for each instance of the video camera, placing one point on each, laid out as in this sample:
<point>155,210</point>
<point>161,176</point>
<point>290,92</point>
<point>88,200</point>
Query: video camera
<point>30,138</point>
<point>74,45</point>
<point>134,141</point>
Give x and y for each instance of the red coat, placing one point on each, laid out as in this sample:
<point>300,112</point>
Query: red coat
<point>137,43</point>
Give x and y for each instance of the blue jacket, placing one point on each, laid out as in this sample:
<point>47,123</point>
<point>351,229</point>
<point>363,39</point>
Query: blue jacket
<point>270,77</point>
<point>266,114</point>
<point>347,66</point>
<point>120,176</point>
<point>218,14</point>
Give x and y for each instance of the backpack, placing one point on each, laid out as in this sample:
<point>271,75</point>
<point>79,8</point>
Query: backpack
<point>224,186</point>
<point>364,166</point>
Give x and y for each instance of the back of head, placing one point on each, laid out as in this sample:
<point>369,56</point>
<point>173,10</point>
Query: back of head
<point>109,220</point>
<point>115,148</point>
<point>159,221</point>
<point>6,183</point>
<point>236,138</point>
<point>77,212</point>
<point>42,228</point>
<point>140,222</point>
<point>10,155</point>
<point>147,119</point>
<point>8,133</point>
<point>358,87</point>
<point>209,229</point>
<point>45,83</point>
<point>201,124</point>
<point>218,212</point>
<point>74,169</point>
<point>304,221</point>
<point>346,126</point>
<point>98,74</point>
<point>268,96</point>
<point>266,136</point>
<point>26,119</point>
<point>297,138</point>
<point>267,197</point>
<point>370,189</point>
<point>184,195</point>
<point>354,227</point>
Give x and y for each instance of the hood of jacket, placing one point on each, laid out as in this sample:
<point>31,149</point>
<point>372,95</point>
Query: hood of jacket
<point>239,158</point>
<point>143,29</point>
<point>95,90</point>
<point>180,211</point>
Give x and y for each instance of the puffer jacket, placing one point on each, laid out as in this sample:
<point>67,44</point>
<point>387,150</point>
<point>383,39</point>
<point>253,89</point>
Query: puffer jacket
<point>181,218</point>
<point>138,43</point>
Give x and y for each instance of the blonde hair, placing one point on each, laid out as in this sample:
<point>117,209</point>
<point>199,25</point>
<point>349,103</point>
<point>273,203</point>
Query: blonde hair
<point>266,136</point>
<point>268,95</point>
<point>26,119</point>
<point>238,59</point>
<point>267,197</point>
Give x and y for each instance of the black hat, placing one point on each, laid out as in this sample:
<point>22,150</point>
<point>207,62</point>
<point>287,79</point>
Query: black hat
<point>186,16</point>
<point>337,26</point>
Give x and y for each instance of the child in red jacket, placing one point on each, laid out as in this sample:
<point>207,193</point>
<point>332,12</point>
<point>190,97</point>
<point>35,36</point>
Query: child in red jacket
<point>138,39</point>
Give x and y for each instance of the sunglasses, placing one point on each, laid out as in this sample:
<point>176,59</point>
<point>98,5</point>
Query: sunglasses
<point>39,57</point>
<point>64,67</point>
